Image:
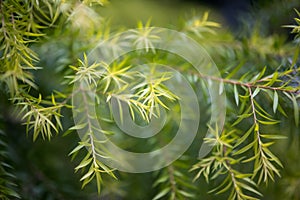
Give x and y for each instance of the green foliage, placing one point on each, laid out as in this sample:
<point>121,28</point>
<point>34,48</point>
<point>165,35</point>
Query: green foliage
<point>7,185</point>
<point>43,120</point>
<point>296,28</point>
<point>173,183</point>
<point>259,99</point>
<point>199,25</point>
<point>19,29</point>
<point>222,163</point>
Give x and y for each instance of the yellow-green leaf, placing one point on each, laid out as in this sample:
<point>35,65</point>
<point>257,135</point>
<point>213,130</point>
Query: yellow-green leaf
<point>275,102</point>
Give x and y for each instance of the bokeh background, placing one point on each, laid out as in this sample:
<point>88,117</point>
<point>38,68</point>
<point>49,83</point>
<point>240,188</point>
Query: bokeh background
<point>43,169</point>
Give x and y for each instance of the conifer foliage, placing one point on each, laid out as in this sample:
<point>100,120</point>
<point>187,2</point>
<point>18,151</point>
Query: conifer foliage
<point>259,74</point>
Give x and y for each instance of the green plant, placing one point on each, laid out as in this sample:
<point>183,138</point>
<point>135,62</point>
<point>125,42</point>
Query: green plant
<point>7,187</point>
<point>259,99</point>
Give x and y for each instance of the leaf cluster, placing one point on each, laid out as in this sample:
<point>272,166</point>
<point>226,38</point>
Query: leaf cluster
<point>258,97</point>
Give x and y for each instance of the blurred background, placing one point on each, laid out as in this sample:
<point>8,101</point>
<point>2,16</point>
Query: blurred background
<point>43,169</point>
<point>233,14</point>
